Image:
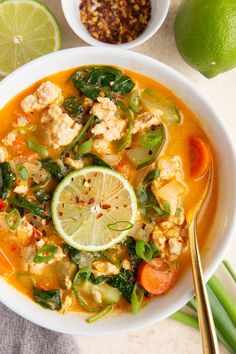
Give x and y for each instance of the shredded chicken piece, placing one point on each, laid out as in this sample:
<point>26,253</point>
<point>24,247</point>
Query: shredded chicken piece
<point>110,126</point>
<point>170,167</point>
<point>104,268</point>
<point>58,127</point>
<point>9,139</point>
<point>76,164</point>
<point>126,264</point>
<point>66,304</point>
<point>46,94</point>
<point>146,120</point>
<point>3,154</point>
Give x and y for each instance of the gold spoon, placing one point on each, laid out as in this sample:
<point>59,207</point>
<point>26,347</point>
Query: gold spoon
<point>206,323</point>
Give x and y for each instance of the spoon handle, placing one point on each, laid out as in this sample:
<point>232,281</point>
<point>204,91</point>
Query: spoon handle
<point>206,323</point>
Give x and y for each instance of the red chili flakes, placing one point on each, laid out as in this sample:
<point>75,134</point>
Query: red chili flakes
<point>99,215</point>
<point>115,21</point>
<point>37,235</point>
<point>106,206</point>
<point>91,201</point>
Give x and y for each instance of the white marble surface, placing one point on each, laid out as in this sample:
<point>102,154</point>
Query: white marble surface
<point>168,336</point>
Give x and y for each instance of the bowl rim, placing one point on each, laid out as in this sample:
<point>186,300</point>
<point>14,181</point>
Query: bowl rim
<point>81,31</point>
<point>221,123</point>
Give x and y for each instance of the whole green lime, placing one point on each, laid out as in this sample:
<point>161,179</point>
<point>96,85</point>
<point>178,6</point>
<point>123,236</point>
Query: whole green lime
<point>205,34</point>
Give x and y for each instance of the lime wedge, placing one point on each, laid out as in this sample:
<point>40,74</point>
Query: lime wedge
<point>94,208</point>
<point>27,30</point>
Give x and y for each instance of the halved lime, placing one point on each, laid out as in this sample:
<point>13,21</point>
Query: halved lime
<point>94,208</point>
<point>27,30</point>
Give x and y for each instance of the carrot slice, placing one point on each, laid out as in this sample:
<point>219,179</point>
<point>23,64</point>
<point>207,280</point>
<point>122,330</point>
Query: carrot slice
<point>6,268</point>
<point>200,157</point>
<point>156,277</point>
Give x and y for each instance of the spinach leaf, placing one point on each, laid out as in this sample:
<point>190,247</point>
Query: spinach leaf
<point>72,252</point>
<point>101,77</point>
<point>49,299</point>
<point>53,168</point>
<point>96,161</point>
<point>151,176</point>
<point>123,85</point>
<point>134,259</point>
<point>7,177</point>
<point>73,107</point>
<point>87,89</point>
<point>98,280</point>
<point>94,79</point>
<point>22,202</point>
<point>42,196</point>
<point>124,281</point>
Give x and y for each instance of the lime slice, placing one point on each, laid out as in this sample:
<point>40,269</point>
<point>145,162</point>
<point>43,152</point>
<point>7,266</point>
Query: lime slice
<point>27,30</point>
<point>93,208</point>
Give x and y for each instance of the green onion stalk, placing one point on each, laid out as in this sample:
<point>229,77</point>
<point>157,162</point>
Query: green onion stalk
<point>223,310</point>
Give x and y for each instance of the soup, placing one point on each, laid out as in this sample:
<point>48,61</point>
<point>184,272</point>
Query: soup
<point>99,167</point>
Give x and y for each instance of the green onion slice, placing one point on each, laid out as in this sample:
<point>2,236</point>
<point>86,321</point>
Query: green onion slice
<point>151,139</point>
<point>13,219</point>
<point>81,133</point>
<point>120,226</point>
<point>126,140</point>
<point>135,102</point>
<point>137,298</point>
<point>45,254</point>
<point>40,149</point>
<point>98,315</point>
<point>144,250</point>
<point>85,147</point>
<point>84,272</point>
<point>22,172</point>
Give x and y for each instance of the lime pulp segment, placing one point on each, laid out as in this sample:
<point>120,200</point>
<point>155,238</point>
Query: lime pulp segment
<point>88,203</point>
<point>27,30</point>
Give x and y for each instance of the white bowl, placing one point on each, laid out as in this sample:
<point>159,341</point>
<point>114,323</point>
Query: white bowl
<point>225,221</point>
<point>72,15</point>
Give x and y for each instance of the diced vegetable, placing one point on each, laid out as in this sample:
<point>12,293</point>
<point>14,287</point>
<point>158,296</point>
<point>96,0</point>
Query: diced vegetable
<point>53,168</point>
<point>85,147</point>
<point>3,204</point>
<point>45,253</point>
<point>200,157</point>
<point>22,172</point>
<point>73,107</point>
<point>137,298</point>
<point>40,149</point>
<point>13,219</point>
<point>142,156</point>
<point>6,267</point>
<point>170,114</point>
<point>26,280</point>
<point>7,177</point>
<point>22,202</point>
<point>49,299</point>
<point>156,277</point>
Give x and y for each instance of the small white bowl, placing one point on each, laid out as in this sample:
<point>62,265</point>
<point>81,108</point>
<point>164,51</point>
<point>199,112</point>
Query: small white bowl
<point>224,224</point>
<point>72,15</point>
